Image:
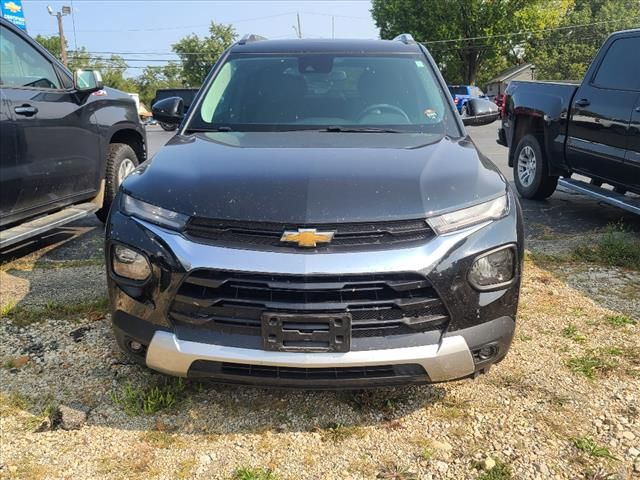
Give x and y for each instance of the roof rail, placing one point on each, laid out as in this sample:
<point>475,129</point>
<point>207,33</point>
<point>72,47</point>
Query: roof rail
<point>250,37</point>
<point>405,38</point>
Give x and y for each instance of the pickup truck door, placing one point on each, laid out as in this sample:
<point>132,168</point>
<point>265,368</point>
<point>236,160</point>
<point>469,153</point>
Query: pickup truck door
<point>9,185</point>
<point>601,112</point>
<point>632,160</point>
<point>56,140</point>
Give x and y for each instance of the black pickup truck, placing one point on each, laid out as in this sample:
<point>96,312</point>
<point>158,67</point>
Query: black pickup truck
<point>592,129</point>
<point>66,142</point>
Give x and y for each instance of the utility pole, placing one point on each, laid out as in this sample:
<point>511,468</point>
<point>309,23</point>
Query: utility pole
<point>299,28</point>
<point>63,47</point>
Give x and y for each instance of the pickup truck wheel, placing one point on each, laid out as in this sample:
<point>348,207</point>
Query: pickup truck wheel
<point>531,170</point>
<point>121,161</point>
<point>167,127</point>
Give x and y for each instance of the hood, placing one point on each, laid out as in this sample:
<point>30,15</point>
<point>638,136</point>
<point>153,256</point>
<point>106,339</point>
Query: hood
<point>315,177</point>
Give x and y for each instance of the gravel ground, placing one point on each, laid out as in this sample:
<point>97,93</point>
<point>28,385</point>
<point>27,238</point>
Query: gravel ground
<point>528,413</point>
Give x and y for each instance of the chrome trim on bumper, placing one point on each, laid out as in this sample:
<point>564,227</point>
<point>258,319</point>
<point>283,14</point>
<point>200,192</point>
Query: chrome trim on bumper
<point>421,259</point>
<point>448,360</point>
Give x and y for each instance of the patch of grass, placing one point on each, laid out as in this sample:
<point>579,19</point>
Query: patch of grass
<point>501,471</point>
<point>392,471</point>
<point>158,439</point>
<point>184,469</point>
<point>338,432</point>
<point>591,448</point>
<point>426,453</point>
<point>591,364</point>
<point>27,266</point>
<point>251,473</point>
<point>138,400</point>
<point>379,400</point>
<point>22,316</point>
<point>617,248</point>
<point>571,331</point>
<point>620,320</point>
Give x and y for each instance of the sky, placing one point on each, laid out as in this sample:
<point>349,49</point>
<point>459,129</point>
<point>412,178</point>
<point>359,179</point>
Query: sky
<point>145,30</point>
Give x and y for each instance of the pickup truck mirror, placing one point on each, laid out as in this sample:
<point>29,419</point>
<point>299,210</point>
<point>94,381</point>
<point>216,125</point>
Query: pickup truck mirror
<point>169,110</point>
<point>480,112</point>
<point>87,81</point>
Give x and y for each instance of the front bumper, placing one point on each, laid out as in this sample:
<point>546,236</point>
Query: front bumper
<point>477,319</point>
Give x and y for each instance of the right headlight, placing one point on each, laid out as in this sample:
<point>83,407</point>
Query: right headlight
<point>467,217</point>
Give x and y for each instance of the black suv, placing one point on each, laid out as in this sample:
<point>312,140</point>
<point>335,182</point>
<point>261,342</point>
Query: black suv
<point>321,219</point>
<point>66,143</point>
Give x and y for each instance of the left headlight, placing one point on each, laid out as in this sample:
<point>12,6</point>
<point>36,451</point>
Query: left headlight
<point>467,217</point>
<point>152,213</point>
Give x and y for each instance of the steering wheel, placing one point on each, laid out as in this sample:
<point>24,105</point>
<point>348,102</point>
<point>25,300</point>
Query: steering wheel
<point>384,106</point>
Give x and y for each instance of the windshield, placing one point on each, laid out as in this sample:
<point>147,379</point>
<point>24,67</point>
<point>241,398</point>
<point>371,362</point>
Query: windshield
<point>316,91</point>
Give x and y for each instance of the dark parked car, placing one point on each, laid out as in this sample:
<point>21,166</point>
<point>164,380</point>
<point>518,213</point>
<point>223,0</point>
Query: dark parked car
<point>66,143</point>
<point>556,129</point>
<point>186,94</point>
<point>320,219</point>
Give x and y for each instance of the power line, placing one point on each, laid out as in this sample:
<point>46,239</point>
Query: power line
<point>567,27</point>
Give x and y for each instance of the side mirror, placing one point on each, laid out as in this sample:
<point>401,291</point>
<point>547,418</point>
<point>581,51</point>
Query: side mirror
<point>169,110</point>
<point>480,112</point>
<point>87,81</point>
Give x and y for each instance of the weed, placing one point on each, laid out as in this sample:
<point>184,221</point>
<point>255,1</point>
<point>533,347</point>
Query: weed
<point>589,446</point>
<point>250,473</point>
<point>379,400</point>
<point>571,331</point>
<point>620,320</point>
<point>616,248</point>
<point>338,432</point>
<point>590,365</point>
<point>392,471</point>
<point>27,315</point>
<point>136,400</point>
<point>426,454</point>
<point>500,471</point>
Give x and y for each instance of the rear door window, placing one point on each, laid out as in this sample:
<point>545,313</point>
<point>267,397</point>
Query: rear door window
<point>620,68</point>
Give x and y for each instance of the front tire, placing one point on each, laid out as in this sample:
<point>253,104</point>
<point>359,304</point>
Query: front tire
<point>121,161</point>
<point>531,170</point>
<point>168,127</point>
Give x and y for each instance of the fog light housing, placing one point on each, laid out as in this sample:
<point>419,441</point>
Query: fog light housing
<point>128,263</point>
<point>494,269</point>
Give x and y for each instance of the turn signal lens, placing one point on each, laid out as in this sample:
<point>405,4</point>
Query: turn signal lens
<point>467,217</point>
<point>130,264</point>
<point>493,269</point>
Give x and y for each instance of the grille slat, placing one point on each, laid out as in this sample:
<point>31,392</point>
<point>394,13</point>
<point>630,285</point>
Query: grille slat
<point>348,236</point>
<point>379,304</point>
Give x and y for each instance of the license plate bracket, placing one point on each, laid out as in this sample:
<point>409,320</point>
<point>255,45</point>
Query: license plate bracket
<point>317,332</point>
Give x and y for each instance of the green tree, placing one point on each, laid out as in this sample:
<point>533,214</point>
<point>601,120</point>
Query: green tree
<point>153,78</point>
<point>199,54</point>
<point>565,53</point>
<point>50,43</point>
<point>487,28</point>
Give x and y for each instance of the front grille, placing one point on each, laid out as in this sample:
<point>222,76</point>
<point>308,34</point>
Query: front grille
<point>380,305</point>
<point>204,368</point>
<point>348,236</point>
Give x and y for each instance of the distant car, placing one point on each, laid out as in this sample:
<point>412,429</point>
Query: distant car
<point>186,94</point>
<point>462,94</point>
<point>499,101</point>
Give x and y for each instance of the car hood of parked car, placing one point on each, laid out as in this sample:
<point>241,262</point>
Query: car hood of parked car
<point>304,177</point>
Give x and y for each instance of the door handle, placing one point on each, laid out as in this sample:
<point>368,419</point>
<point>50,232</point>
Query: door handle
<point>583,102</point>
<point>26,110</point>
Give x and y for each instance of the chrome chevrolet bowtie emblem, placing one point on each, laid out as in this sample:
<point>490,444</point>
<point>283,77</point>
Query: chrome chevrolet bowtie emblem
<point>307,237</point>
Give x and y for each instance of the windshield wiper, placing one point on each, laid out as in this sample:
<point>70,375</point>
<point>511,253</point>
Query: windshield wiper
<point>223,128</point>
<point>337,129</point>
